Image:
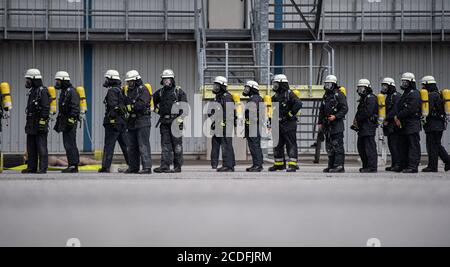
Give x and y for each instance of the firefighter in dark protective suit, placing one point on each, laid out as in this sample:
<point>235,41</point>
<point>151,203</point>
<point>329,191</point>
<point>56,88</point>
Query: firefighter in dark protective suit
<point>138,106</point>
<point>366,124</point>
<point>68,116</point>
<point>253,126</point>
<point>332,114</point>
<point>222,129</point>
<point>409,120</point>
<point>115,120</point>
<point>36,128</point>
<point>166,101</point>
<point>289,105</point>
<point>435,125</point>
<point>390,129</point>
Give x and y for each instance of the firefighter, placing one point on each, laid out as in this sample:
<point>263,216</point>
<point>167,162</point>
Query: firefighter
<point>333,110</point>
<point>223,129</point>
<point>366,123</point>
<point>115,120</point>
<point>67,119</point>
<point>36,128</point>
<point>409,120</point>
<point>138,106</point>
<point>390,129</point>
<point>289,105</point>
<point>165,99</point>
<point>252,125</point>
<point>435,125</point>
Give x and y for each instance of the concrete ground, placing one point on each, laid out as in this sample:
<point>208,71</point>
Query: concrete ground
<point>200,207</point>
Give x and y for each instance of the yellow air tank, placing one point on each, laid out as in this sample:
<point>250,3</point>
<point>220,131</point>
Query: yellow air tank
<point>343,90</point>
<point>5,90</point>
<point>446,98</point>
<point>238,105</point>
<point>150,90</point>
<point>268,103</point>
<point>381,108</point>
<point>425,103</point>
<point>297,93</point>
<point>52,93</point>
<point>83,102</point>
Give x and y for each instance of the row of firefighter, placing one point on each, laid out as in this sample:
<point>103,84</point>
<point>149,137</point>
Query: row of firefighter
<point>73,106</point>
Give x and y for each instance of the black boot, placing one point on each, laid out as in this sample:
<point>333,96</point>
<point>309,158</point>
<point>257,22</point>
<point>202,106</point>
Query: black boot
<point>70,169</point>
<point>339,169</point>
<point>428,169</point>
<point>292,168</point>
<point>104,170</point>
<point>225,169</point>
<point>28,171</point>
<point>42,171</point>
<point>162,170</point>
<point>145,171</point>
<point>410,171</point>
<point>275,168</point>
<point>177,170</point>
<point>326,170</point>
<point>447,167</point>
<point>368,170</point>
<point>255,169</point>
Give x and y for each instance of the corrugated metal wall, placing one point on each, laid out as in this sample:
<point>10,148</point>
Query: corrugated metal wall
<point>15,59</point>
<point>150,60</point>
<point>356,61</point>
<point>345,15</point>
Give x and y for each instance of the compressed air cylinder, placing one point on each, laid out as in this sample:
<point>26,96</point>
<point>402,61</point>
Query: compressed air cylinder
<point>446,98</point>
<point>150,90</point>
<point>52,92</point>
<point>238,105</point>
<point>425,103</point>
<point>298,94</point>
<point>381,108</point>
<point>83,102</point>
<point>343,90</point>
<point>268,104</point>
<point>5,90</point>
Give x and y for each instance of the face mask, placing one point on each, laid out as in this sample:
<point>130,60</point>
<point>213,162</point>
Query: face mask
<point>246,91</point>
<point>131,84</point>
<point>361,90</point>
<point>58,84</point>
<point>384,89</point>
<point>106,83</point>
<point>28,84</point>
<point>216,88</point>
<point>167,82</point>
<point>276,86</point>
<point>405,85</point>
<point>328,86</point>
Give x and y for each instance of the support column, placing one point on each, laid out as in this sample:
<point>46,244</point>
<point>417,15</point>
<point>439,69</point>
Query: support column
<point>262,34</point>
<point>278,48</point>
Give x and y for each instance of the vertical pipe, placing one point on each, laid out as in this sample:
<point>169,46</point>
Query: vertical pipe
<point>166,14</point>
<point>5,17</point>
<point>310,68</point>
<point>47,18</point>
<point>402,30</point>
<point>362,20</point>
<point>127,10</point>
<point>268,66</point>
<point>278,50</point>
<point>333,61</point>
<point>433,2</point>
<point>442,22</point>
<point>226,60</point>
<point>87,82</point>
<point>87,17</point>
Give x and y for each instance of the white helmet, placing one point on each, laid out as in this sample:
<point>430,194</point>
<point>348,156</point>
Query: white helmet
<point>112,74</point>
<point>168,74</point>
<point>408,76</point>
<point>132,75</point>
<point>364,83</point>
<point>62,75</point>
<point>428,80</point>
<point>252,84</point>
<point>281,78</point>
<point>388,81</point>
<point>221,80</point>
<point>33,74</point>
<point>331,79</point>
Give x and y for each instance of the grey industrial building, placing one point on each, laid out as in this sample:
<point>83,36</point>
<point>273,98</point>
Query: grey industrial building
<point>351,38</point>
